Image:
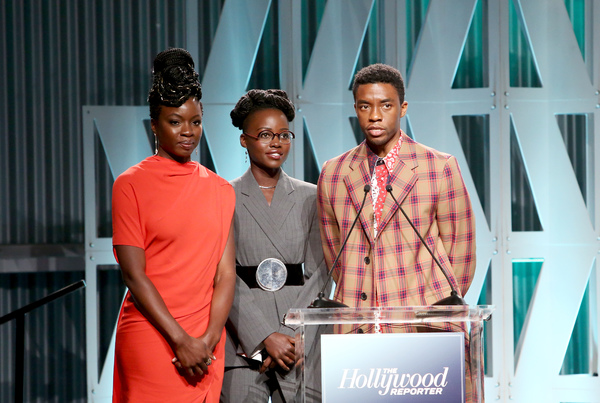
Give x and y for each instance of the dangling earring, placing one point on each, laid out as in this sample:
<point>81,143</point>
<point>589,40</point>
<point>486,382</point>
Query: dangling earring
<point>197,150</point>
<point>155,144</point>
<point>246,160</point>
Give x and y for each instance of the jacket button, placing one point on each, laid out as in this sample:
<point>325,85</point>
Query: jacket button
<point>367,260</point>
<point>359,330</point>
<point>363,296</point>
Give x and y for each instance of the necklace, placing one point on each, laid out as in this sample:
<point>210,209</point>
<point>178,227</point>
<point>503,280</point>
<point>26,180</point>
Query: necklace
<point>267,187</point>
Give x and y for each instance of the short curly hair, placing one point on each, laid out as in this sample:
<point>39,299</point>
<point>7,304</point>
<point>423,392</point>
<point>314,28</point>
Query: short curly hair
<point>255,100</point>
<point>379,73</point>
<point>174,80</point>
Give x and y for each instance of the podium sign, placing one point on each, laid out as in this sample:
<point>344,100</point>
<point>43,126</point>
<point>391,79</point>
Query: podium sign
<point>424,368</point>
<point>361,345</point>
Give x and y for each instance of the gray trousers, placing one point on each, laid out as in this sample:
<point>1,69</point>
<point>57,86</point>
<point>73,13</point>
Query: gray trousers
<point>247,385</point>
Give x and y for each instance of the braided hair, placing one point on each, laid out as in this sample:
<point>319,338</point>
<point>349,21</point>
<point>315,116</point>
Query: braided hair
<point>255,100</point>
<point>174,80</point>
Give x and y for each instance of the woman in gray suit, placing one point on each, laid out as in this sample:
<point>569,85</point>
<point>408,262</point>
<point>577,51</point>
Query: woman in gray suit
<point>275,218</point>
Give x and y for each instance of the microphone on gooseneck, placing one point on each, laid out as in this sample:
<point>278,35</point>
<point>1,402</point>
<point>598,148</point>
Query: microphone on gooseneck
<point>454,298</point>
<point>321,301</point>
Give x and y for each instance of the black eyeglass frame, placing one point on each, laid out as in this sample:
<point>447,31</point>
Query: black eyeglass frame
<point>265,141</point>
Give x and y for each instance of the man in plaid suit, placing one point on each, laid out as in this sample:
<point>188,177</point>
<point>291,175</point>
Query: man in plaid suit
<point>384,262</point>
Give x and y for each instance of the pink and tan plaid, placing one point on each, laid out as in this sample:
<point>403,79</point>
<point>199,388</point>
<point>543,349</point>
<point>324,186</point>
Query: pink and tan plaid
<point>394,268</point>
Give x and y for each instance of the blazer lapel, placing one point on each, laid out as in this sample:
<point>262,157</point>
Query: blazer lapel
<point>355,184</point>
<point>270,219</point>
<point>282,202</point>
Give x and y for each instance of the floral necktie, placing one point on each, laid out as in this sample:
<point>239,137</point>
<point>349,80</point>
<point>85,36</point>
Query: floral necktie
<point>381,176</point>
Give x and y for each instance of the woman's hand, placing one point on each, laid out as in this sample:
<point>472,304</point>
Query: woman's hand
<point>268,363</point>
<point>193,355</point>
<point>281,349</point>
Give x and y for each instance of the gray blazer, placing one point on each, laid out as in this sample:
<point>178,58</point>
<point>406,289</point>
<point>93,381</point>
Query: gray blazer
<point>287,230</point>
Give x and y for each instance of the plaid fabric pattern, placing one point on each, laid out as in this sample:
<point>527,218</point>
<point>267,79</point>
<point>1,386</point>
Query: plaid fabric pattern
<point>394,268</point>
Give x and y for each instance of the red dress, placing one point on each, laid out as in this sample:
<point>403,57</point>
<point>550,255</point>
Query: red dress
<point>180,215</point>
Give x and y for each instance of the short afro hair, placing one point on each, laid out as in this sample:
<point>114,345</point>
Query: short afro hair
<point>379,73</point>
<point>174,80</point>
<point>255,100</point>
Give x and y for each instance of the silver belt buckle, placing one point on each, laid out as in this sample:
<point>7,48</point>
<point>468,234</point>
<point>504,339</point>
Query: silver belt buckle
<point>271,274</point>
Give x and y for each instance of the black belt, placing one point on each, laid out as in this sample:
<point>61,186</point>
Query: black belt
<point>295,276</point>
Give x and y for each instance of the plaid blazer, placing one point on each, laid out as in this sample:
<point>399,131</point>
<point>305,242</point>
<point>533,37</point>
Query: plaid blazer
<point>395,269</point>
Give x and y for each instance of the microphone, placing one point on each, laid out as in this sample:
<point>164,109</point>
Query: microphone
<point>321,301</point>
<point>453,299</point>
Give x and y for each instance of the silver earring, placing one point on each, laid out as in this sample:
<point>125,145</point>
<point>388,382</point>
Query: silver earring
<point>155,144</point>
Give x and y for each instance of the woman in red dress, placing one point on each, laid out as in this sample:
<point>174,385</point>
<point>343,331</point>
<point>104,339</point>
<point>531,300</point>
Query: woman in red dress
<point>172,236</point>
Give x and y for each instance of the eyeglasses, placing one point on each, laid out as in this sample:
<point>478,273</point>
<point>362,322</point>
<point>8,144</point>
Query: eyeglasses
<point>266,136</point>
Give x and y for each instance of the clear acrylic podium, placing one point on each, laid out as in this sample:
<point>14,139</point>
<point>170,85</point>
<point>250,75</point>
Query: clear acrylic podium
<point>311,323</point>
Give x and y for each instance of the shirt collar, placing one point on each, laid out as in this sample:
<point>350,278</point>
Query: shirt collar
<point>390,159</point>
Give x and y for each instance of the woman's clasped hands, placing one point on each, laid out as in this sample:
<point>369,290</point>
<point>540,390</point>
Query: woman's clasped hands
<point>281,349</point>
<point>193,355</point>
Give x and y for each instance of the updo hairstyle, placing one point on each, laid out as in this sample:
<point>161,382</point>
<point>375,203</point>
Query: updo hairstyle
<point>174,80</point>
<point>255,100</point>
